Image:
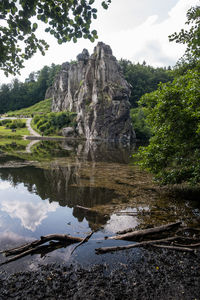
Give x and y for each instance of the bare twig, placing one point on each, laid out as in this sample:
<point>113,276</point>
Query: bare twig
<point>188,245</point>
<point>174,248</point>
<point>83,241</point>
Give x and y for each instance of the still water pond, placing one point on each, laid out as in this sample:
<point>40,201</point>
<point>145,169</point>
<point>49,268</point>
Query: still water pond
<point>40,192</point>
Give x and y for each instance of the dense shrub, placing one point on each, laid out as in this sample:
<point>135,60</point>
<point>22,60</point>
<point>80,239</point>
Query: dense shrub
<point>13,124</point>
<point>142,129</point>
<point>52,123</point>
<point>5,122</point>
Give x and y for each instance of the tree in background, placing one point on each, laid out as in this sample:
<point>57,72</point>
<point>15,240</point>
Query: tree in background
<point>65,20</point>
<point>19,95</point>
<point>191,38</point>
<point>173,153</point>
<point>143,78</point>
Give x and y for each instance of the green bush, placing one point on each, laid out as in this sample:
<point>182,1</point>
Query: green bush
<point>142,130</point>
<point>5,122</point>
<point>13,124</point>
<point>44,126</point>
<point>173,153</point>
<point>19,123</point>
<point>52,123</point>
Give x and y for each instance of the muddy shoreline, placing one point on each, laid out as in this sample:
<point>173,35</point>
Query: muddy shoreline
<point>157,274</point>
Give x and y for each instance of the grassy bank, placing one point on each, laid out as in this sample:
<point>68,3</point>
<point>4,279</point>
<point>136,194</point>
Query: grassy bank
<point>42,107</point>
<point>7,133</point>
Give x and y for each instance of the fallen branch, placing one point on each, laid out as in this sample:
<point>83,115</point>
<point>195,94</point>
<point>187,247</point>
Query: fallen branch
<point>83,241</point>
<point>184,249</point>
<point>86,208</point>
<point>141,233</point>
<point>136,213</point>
<point>42,250</point>
<point>127,213</point>
<point>188,245</point>
<point>141,244</point>
<point>43,239</point>
<point>25,253</point>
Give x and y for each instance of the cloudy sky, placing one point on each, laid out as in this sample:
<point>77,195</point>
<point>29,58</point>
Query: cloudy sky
<point>137,30</point>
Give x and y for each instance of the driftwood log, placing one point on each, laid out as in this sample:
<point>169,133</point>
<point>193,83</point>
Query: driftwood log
<point>43,239</point>
<point>174,240</point>
<point>85,208</point>
<point>141,233</point>
<point>34,247</point>
<point>149,243</point>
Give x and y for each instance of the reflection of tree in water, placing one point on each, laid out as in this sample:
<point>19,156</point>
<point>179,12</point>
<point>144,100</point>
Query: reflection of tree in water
<point>58,184</point>
<point>91,179</point>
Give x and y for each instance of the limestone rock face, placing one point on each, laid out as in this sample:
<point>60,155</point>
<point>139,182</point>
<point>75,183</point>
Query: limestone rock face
<point>96,90</point>
<point>68,131</point>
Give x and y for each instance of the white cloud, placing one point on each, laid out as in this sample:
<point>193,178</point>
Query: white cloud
<point>149,41</point>
<point>5,185</point>
<point>30,213</point>
<point>130,37</point>
<point>10,236</point>
<point>117,223</point>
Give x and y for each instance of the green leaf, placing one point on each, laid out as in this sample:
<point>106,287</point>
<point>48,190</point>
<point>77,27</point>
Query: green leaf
<point>105,6</point>
<point>35,26</point>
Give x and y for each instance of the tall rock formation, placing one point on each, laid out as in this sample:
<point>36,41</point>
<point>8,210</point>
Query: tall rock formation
<point>96,90</point>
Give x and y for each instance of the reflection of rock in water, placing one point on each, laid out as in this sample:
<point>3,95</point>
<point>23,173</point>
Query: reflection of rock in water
<point>94,218</point>
<point>72,182</point>
<point>61,184</point>
<point>100,151</point>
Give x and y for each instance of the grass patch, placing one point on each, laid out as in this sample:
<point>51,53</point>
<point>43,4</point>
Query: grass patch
<point>11,146</point>
<point>7,133</point>
<point>42,107</point>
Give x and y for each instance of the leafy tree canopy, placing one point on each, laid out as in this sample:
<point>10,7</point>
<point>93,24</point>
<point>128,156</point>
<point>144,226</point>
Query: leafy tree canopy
<point>191,38</point>
<point>173,153</point>
<point>65,20</point>
<point>143,78</point>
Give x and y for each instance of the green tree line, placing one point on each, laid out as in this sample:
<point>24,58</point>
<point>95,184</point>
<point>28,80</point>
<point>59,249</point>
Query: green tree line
<point>19,95</point>
<point>173,114</point>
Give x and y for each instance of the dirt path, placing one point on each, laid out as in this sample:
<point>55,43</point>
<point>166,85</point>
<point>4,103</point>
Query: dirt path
<point>32,131</point>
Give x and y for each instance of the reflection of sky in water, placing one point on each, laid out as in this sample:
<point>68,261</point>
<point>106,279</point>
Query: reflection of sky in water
<point>5,185</point>
<point>26,214</point>
<point>30,212</point>
<point>20,204</point>
<point>120,223</point>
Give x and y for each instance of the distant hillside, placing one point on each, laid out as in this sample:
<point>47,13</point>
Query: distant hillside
<point>42,107</point>
<point>18,95</point>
